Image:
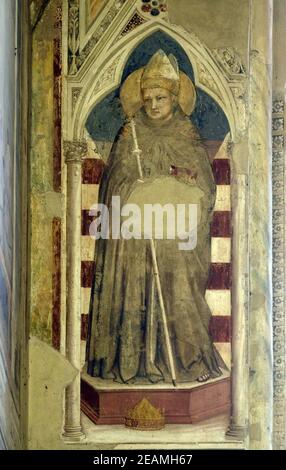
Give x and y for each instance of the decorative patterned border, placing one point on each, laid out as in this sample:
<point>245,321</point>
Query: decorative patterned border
<point>57,154</point>
<point>279,278</point>
<point>77,58</point>
<point>56,282</point>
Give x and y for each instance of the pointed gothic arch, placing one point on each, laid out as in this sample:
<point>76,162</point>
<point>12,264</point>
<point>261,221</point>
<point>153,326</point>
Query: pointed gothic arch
<point>102,73</point>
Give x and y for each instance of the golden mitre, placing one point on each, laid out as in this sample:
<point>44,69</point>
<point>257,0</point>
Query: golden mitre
<point>160,72</point>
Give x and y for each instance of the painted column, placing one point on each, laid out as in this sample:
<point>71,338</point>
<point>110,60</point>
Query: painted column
<point>74,153</point>
<point>252,383</point>
<point>260,390</point>
<point>238,426</point>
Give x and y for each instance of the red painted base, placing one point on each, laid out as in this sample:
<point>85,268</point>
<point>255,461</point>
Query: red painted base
<point>181,405</point>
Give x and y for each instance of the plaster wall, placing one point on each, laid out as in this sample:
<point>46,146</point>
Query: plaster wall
<point>279,60</point>
<point>218,23</point>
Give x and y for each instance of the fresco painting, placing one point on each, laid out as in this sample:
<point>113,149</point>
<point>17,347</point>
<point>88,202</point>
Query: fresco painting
<point>136,291</point>
<point>93,8</point>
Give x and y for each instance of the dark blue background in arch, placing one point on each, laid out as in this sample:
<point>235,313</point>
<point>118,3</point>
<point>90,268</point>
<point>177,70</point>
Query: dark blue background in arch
<point>107,117</point>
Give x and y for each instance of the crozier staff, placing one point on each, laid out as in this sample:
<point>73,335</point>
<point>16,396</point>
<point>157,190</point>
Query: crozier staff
<point>156,274</point>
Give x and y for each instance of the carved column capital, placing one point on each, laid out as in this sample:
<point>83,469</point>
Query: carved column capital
<point>75,151</point>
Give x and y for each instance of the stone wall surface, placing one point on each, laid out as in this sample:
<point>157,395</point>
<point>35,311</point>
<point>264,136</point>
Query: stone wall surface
<point>9,365</point>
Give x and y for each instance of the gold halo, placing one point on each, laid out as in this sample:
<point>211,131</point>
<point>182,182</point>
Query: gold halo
<point>131,99</point>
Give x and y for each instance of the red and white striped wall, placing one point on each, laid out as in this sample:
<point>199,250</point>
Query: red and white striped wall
<point>218,293</point>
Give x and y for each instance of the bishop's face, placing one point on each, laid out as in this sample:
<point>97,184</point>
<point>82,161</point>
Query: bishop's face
<point>158,103</point>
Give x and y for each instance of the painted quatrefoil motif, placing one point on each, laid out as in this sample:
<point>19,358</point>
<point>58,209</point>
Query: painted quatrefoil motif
<point>153,7</point>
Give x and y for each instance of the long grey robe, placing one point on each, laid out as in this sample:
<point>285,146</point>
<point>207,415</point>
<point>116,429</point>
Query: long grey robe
<point>123,343</point>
